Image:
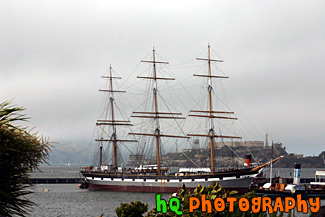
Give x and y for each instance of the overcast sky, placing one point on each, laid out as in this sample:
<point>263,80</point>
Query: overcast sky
<point>52,54</point>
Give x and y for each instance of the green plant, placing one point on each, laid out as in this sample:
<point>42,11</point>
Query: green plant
<point>211,193</point>
<point>134,209</point>
<point>20,152</point>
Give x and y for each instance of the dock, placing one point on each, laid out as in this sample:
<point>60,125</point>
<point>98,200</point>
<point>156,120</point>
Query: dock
<point>54,180</point>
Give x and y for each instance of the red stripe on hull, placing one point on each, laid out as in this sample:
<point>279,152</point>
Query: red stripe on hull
<point>148,189</point>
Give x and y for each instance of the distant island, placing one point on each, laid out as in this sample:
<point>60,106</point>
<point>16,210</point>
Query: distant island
<point>78,154</point>
<point>233,154</point>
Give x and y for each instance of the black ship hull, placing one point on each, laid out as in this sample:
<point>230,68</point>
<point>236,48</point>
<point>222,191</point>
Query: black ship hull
<point>238,180</point>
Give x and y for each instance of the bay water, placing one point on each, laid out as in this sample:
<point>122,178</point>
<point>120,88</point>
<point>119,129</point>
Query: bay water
<point>68,200</point>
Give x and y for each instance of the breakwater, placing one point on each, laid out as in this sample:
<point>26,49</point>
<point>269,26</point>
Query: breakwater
<point>54,180</point>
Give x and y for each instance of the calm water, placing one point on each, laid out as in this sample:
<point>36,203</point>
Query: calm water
<point>69,200</point>
<point>57,172</point>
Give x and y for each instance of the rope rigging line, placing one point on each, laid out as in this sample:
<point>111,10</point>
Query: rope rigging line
<point>144,145</point>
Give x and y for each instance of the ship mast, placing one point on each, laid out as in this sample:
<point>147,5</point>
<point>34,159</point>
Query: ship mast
<point>112,121</point>
<point>156,115</point>
<point>212,114</point>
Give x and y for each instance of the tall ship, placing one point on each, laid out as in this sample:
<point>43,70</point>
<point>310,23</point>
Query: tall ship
<point>156,178</point>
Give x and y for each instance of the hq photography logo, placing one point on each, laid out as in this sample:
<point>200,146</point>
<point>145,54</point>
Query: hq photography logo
<point>256,204</point>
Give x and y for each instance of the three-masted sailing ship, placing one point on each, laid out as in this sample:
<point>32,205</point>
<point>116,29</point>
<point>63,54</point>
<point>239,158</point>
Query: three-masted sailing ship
<point>156,178</point>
